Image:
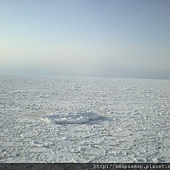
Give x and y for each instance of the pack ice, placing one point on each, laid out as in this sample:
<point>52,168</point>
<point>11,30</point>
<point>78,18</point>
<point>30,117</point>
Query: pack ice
<point>70,118</point>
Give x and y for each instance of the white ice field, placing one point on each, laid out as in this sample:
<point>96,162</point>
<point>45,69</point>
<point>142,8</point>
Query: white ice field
<point>55,119</point>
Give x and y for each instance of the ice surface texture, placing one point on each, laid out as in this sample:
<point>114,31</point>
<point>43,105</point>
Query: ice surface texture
<point>71,118</point>
<point>57,119</point>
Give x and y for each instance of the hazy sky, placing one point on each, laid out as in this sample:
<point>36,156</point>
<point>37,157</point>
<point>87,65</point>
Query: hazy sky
<point>119,38</point>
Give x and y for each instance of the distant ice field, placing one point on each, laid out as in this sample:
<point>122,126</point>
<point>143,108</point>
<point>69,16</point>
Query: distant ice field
<point>62,119</point>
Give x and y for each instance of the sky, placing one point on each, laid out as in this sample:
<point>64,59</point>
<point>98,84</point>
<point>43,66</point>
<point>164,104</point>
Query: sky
<point>108,38</point>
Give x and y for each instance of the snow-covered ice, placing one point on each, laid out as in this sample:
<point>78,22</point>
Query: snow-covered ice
<point>70,118</point>
<point>62,119</point>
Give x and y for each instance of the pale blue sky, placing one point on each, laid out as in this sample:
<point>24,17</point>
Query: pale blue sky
<point>118,38</point>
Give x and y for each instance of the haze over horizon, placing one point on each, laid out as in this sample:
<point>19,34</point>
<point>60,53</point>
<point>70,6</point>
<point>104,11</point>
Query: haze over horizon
<point>109,38</point>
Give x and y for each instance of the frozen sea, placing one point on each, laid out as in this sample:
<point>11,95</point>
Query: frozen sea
<point>62,119</point>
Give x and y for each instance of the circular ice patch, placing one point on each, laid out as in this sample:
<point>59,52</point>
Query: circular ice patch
<point>70,118</point>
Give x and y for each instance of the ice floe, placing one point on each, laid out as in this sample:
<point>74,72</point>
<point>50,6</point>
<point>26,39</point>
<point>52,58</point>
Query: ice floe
<point>71,118</point>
